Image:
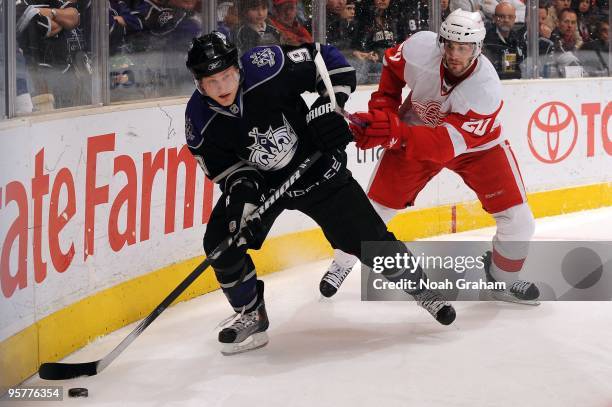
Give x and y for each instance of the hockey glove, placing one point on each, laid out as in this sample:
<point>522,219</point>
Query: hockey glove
<point>328,129</point>
<point>242,199</point>
<point>385,103</point>
<point>384,129</point>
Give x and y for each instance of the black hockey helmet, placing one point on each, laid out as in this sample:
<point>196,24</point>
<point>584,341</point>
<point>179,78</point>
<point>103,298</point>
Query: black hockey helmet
<point>210,54</point>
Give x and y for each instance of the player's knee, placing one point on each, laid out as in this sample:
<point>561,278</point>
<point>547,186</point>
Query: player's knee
<point>515,224</point>
<point>230,256</point>
<point>229,274</point>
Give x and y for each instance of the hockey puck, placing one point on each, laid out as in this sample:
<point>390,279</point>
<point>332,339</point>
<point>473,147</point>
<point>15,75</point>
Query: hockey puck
<point>78,392</point>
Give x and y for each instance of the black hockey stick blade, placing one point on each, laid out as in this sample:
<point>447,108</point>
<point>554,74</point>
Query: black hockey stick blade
<point>64,371</point>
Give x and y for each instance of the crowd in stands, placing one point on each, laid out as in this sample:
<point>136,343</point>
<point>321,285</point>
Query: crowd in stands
<point>148,39</point>
<point>572,34</point>
<point>147,43</point>
<point>572,39</point>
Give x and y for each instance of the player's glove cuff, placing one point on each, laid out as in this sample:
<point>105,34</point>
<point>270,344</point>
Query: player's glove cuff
<point>384,129</point>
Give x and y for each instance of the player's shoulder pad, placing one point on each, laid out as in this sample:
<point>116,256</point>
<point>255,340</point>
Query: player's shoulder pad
<point>420,41</point>
<point>197,117</point>
<point>261,64</point>
<point>481,92</point>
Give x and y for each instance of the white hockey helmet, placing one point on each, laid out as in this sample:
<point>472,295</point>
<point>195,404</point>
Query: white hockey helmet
<point>464,26</point>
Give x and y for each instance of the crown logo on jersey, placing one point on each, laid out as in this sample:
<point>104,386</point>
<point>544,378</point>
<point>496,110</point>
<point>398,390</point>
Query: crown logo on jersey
<point>263,57</point>
<point>273,149</point>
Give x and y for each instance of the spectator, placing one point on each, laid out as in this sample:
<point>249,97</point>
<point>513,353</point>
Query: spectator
<point>285,20</point>
<point>167,24</point>
<point>344,33</point>
<point>54,51</point>
<point>545,28</point>
<point>255,29</point>
<point>123,22</point>
<point>334,22</point>
<point>158,57</point>
<point>502,45</point>
<point>444,8</point>
<point>565,36</point>
<point>547,64</point>
<point>466,5</point>
<point>348,14</point>
<point>223,7</point>
<point>554,12</point>
<point>566,42</point>
<point>376,32</point>
<point>587,18</point>
<point>227,18</point>
<point>594,54</point>
<point>412,16</point>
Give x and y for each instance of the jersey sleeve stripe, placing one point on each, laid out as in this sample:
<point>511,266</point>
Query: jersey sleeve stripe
<point>339,89</point>
<point>341,70</point>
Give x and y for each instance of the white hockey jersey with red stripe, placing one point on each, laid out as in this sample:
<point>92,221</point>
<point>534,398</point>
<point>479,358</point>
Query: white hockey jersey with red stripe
<point>448,120</point>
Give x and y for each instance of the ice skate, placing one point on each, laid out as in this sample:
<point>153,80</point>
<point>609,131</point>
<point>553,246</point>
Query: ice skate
<point>520,291</point>
<point>436,305</point>
<point>247,330</point>
<point>333,278</point>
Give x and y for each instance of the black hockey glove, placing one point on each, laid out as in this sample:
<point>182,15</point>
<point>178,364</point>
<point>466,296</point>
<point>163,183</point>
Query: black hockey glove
<point>243,197</point>
<point>328,129</point>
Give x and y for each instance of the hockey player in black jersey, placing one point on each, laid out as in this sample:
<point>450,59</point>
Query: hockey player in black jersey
<point>249,128</point>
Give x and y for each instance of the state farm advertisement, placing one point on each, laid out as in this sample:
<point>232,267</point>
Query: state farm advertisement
<point>89,202</point>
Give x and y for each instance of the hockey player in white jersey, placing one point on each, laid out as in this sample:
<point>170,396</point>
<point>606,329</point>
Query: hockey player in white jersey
<point>449,120</point>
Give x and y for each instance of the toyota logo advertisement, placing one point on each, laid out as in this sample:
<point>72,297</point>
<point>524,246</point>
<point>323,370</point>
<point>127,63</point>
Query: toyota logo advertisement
<point>555,131</point>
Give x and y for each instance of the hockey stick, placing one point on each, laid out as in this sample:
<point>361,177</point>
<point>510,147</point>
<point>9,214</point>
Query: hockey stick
<point>324,74</point>
<point>62,371</point>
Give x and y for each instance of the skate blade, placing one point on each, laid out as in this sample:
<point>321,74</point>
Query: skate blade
<point>255,341</point>
<point>504,296</point>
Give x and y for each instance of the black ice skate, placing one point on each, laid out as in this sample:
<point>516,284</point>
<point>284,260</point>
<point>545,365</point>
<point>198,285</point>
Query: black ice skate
<point>520,291</point>
<point>436,305</point>
<point>248,329</point>
<point>333,278</point>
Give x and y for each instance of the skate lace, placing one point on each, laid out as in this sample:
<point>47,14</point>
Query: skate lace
<point>336,274</point>
<point>520,286</point>
<point>431,301</point>
<point>239,320</point>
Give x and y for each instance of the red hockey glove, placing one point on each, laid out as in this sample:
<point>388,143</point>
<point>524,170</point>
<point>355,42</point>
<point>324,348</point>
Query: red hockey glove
<point>384,129</point>
<point>384,103</point>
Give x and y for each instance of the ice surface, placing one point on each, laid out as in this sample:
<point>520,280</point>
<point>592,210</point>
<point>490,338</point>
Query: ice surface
<point>347,353</point>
